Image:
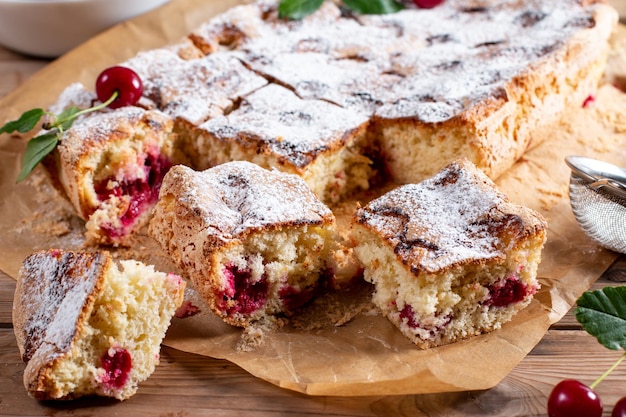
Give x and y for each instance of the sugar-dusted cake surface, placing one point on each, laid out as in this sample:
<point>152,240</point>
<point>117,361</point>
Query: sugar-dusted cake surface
<point>317,140</point>
<point>86,325</point>
<point>193,90</point>
<point>254,242</point>
<point>460,80</point>
<point>450,257</point>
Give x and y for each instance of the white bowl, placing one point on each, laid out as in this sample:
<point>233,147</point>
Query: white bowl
<point>49,28</point>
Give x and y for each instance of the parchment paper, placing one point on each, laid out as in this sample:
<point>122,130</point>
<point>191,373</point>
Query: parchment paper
<point>363,354</point>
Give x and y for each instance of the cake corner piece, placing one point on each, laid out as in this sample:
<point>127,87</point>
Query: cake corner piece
<point>254,242</point>
<point>450,257</point>
<point>88,325</point>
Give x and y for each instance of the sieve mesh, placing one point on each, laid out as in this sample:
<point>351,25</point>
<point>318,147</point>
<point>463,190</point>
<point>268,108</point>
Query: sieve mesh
<point>600,214</point>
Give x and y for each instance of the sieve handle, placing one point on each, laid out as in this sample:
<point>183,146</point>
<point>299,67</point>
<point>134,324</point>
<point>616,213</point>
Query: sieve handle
<point>600,174</point>
<point>611,186</point>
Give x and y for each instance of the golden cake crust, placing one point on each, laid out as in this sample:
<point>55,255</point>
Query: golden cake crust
<point>454,219</point>
<point>294,131</point>
<point>89,325</point>
<point>231,201</point>
<point>450,257</point>
<point>94,140</point>
<point>241,230</point>
<point>101,160</point>
<point>49,311</point>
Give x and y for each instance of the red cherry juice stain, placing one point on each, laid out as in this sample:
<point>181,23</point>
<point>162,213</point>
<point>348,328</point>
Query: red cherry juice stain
<point>589,101</point>
<point>293,298</point>
<point>248,296</point>
<point>408,314</point>
<point>143,192</point>
<point>117,364</point>
<point>187,309</point>
<point>507,292</point>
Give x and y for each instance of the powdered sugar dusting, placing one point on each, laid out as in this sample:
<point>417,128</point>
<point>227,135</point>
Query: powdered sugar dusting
<point>73,95</point>
<point>93,132</point>
<point>291,128</point>
<point>442,221</point>
<point>195,89</point>
<point>328,32</point>
<point>238,197</point>
<point>55,288</point>
<point>450,75</point>
<point>439,53</point>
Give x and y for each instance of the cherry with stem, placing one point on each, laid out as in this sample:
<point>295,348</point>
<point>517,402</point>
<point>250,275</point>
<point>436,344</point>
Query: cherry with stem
<point>116,86</point>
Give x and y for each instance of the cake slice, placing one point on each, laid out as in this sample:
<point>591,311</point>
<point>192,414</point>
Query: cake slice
<point>255,243</point>
<point>110,165</point>
<point>450,257</point>
<point>88,325</point>
<point>321,142</point>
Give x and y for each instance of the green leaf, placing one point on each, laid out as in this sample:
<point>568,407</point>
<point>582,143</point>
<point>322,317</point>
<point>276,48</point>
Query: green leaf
<point>27,121</point>
<point>36,150</point>
<point>66,118</point>
<point>602,314</point>
<point>297,9</point>
<point>373,6</point>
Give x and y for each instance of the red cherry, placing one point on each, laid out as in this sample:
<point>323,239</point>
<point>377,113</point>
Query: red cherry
<point>117,365</point>
<point>123,80</point>
<point>619,409</point>
<point>427,4</point>
<point>571,398</point>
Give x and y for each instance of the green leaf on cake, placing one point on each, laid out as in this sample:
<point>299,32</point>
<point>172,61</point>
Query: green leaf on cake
<point>66,118</point>
<point>298,9</point>
<point>602,313</point>
<point>374,7</point>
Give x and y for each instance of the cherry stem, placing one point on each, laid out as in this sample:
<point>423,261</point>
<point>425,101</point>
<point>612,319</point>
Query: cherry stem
<point>59,123</point>
<point>604,375</point>
<point>111,99</point>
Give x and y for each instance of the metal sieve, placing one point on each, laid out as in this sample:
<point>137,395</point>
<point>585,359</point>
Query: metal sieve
<point>597,192</point>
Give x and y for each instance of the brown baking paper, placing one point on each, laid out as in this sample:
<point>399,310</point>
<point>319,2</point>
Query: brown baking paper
<point>347,348</point>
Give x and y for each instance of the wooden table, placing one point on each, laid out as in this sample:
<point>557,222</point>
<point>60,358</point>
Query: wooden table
<point>188,385</point>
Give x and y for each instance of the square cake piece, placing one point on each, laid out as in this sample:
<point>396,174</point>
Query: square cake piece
<point>450,257</point>
<point>254,242</point>
<point>88,325</point>
<point>274,128</point>
<point>110,164</point>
